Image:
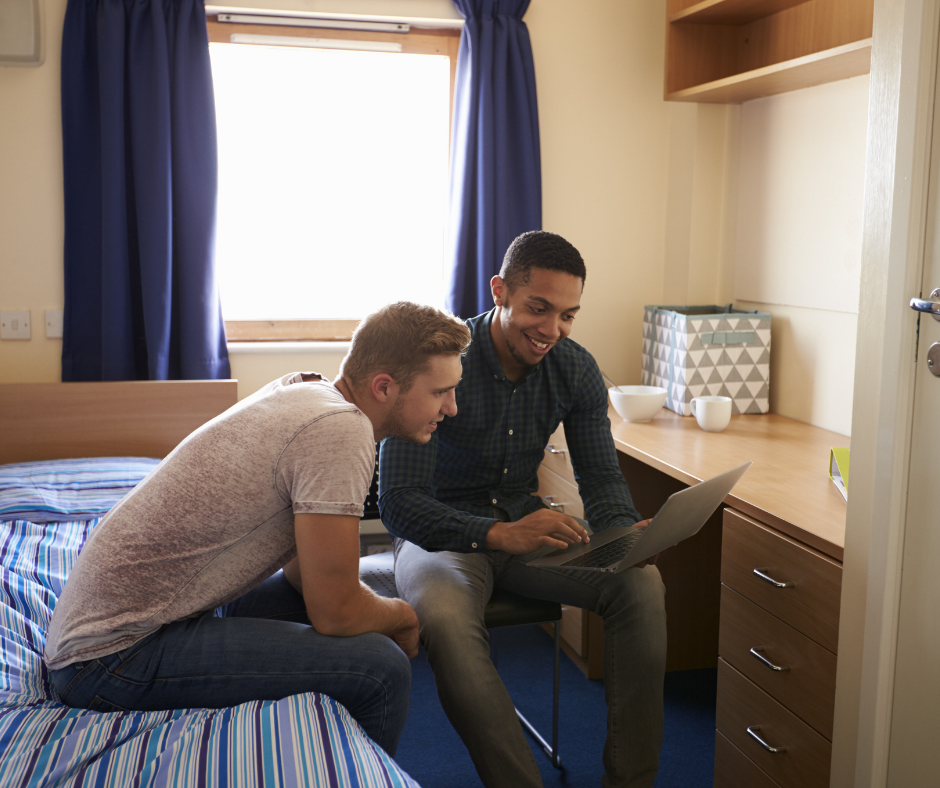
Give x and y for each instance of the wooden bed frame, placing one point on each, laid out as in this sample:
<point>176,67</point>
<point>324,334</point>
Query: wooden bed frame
<point>48,421</point>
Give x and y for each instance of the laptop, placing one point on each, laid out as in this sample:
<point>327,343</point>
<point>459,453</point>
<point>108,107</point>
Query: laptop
<point>620,547</point>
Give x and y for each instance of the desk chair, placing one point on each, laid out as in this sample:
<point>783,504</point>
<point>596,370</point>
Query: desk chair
<point>504,609</point>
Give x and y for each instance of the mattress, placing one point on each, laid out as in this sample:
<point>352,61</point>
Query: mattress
<point>303,740</point>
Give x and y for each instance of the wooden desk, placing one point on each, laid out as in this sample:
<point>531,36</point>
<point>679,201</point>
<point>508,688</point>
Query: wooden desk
<point>786,488</point>
<point>785,516</point>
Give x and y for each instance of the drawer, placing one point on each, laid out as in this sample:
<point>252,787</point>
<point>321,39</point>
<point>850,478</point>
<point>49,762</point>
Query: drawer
<point>734,770</point>
<point>807,687</point>
<point>804,763</point>
<point>558,458</point>
<point>553,488</point>
<point>810,601</point>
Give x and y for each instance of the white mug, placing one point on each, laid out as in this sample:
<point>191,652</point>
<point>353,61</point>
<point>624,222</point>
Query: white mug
<point>712,413</point>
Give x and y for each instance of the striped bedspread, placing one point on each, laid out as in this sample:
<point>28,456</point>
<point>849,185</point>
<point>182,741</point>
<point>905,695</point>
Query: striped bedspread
<point>80,489</point>
<point>304,740</point>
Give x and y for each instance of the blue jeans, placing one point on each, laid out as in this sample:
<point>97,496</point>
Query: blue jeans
<point>259,647</point>
<point>449,592</point>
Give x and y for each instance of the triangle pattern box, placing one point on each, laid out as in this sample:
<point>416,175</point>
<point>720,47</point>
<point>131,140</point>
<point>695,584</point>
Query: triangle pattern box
<point>693,351</point>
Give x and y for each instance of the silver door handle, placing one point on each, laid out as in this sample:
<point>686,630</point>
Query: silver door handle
<point>552,450</point>
<point>759,653</point>
<point>769,579</point>
<point>752,731</point>
<point>930,307</point>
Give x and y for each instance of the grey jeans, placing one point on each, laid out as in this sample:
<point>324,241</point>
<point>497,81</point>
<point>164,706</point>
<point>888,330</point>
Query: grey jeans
<point>449,592</point>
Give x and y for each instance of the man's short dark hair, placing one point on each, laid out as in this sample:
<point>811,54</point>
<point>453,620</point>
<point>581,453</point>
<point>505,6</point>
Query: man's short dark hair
<point>540,249</point>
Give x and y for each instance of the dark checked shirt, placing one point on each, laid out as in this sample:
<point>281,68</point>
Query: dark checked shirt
<point>441,495</point>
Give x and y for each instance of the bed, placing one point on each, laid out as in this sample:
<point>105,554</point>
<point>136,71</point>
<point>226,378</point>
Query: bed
<point>68,452</point>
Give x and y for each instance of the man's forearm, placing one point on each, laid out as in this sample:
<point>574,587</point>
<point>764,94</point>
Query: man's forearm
<point>362,611</point>
<point>292,575</point>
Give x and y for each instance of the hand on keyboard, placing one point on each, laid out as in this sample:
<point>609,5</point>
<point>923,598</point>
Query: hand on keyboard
<point>539,529</point>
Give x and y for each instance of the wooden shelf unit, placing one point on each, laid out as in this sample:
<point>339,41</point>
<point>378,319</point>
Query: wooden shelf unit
<point>731,51</point>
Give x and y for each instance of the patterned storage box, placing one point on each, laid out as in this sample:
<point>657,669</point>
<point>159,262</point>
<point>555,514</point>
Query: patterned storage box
<point>708,350</point>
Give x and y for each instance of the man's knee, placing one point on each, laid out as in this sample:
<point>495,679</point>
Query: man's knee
<point>449,609</point>
<point>449,621</point>
<point>380,658</point>
<point>638,593</point>
<point>441,594</point>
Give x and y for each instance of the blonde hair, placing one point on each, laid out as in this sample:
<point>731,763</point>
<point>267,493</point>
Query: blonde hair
<point>399,339</point>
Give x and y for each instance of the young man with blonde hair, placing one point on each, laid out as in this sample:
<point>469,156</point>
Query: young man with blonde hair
<point>174,601</point>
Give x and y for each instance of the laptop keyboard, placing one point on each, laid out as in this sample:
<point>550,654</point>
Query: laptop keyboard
<point>605,555</point>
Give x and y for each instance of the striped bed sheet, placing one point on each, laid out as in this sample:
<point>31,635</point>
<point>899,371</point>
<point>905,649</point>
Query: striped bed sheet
<point>80,489</point>
<point>303,740</point>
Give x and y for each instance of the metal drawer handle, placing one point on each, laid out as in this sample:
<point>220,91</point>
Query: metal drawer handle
<point>769,579</point>
<point>759,653</point>
<point>752,731</point>
<point>552,450</point>
<point>552,505</point>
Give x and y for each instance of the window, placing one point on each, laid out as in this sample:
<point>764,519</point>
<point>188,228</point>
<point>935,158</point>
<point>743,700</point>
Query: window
<point>332,177</point>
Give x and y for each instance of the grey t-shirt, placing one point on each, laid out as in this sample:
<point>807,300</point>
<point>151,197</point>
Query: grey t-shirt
<point>215,518</point>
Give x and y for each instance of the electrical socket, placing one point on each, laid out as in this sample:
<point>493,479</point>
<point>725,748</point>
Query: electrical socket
<point>54,322</point>
<point>14,325</point>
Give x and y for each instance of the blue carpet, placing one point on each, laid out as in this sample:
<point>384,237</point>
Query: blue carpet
<point>432,753</point>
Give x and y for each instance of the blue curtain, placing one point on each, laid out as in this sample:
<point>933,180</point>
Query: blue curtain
<point>139,150</point>
<point>496,177</point>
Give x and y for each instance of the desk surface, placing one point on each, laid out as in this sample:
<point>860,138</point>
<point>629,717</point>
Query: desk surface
<point>787,487</point>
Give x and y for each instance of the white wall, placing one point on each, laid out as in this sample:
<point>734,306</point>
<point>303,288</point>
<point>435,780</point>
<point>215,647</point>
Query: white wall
<point>798,240</point>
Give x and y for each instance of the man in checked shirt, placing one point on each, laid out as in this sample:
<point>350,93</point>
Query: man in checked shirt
<point>466,517</point>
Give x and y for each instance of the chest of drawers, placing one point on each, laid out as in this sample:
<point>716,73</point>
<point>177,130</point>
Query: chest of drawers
<point>786,519</point>
<point>777,657</point>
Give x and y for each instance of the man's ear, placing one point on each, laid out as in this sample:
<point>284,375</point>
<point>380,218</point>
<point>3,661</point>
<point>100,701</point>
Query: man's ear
<point>498,289</point>
<point>384,387</point>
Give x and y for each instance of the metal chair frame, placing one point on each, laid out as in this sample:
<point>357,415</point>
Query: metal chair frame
<point>551,750</point>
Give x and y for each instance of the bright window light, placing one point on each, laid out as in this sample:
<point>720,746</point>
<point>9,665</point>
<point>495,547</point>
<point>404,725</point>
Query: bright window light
<point>332,180</point>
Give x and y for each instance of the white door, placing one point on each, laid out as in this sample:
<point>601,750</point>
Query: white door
<point>915,713</point>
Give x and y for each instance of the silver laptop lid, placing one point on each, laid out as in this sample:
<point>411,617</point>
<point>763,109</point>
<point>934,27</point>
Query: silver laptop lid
<point>684,514</point>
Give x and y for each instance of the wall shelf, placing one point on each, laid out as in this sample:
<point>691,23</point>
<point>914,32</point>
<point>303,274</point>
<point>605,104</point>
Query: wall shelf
<point>731,51</point>
<point>731,12</point>
<point>851,60</point>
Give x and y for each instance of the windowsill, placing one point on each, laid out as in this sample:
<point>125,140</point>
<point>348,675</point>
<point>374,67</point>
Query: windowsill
<point>271,348</point>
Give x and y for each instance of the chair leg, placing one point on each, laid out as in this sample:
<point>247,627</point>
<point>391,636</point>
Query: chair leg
<point>550,750</point>
<point>556,760</point>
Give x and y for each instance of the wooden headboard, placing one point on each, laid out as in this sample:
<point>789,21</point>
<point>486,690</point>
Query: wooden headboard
<point>47,421</point>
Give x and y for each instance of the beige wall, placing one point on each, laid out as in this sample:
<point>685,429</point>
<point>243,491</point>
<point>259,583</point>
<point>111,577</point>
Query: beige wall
<point>649,192</point>
<point>798,241</point>
<point>253,366</point>
<point>638,185</point>
<point>605,152</point>
<point>31,219</point>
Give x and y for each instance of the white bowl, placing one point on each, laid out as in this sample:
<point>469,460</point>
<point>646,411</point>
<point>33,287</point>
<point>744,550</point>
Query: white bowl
<point>637,403</point>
